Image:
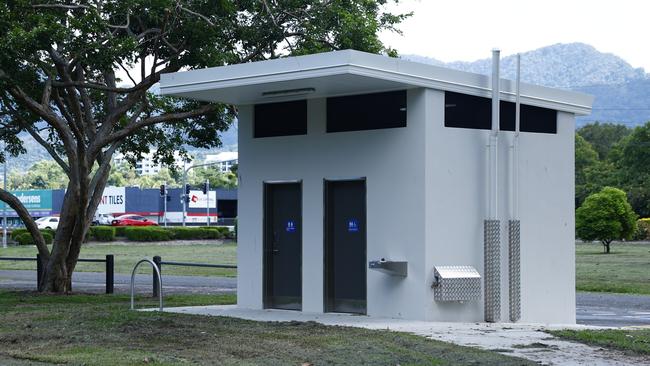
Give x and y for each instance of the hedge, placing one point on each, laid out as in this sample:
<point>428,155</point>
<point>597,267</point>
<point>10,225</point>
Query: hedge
<point>136,233</point>
<point>18,232</point>
<point>102,233</point>
<point>26,238</point>
<point>120,231</point>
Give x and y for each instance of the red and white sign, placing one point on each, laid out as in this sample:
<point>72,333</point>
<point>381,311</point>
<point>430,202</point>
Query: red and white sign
<point>198,199</point>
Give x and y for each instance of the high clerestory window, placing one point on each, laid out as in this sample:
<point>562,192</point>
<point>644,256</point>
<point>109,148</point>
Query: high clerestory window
<point>366,112</point>
<point>469,111</point>
<point>280,119</point>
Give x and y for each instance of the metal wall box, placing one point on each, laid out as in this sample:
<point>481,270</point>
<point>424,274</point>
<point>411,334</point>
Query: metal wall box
<point>393,268</point>
<point>456,283</point>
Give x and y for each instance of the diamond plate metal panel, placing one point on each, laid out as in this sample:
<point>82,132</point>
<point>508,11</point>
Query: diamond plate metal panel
<point>492,270</point>
<point>456,283</point>
<point>514,271</point>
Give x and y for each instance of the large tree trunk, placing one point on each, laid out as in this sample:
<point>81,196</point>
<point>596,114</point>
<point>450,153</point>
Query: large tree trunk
<point>76,217</point>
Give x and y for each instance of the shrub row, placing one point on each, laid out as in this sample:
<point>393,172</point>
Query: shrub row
<point>157,233</point>
<point>25,238</point>
<point>17,232</point>
<point>135,233</point>
<point>102,233</point>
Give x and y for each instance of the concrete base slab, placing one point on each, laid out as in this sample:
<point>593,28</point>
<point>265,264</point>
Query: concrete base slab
<point>523,340</point>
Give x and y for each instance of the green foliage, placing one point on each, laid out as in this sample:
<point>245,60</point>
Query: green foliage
<point>45,174</point>
<point>605,216</point>
<point>603,136</point>
<point>26,238</point>
<point>195,233</point>
<point>20,231</point>
<point>102,233</point>
<point>120,231</point>
<point>642,229</point>
<point>217,179</point>
<point>147,233</point>
<point>591,174</point>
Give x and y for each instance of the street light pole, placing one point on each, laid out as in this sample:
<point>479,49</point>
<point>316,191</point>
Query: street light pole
<point>184,199</point>
<point>4,205</point>
<point>165,204</point>
<point>207,192</point>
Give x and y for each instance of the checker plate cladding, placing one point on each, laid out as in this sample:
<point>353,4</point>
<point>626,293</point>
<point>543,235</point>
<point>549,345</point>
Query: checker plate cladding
<point>456,283</point>
<point>492,270</point>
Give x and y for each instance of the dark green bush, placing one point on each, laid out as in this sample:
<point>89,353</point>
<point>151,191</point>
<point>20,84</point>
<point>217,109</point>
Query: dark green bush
<point>17,232</point>
<point>148,233</point>
<point>102,233</point>
<point>120,231</point>
<point>186,233</point>
<point>194,233</point>
<point>26,238</point>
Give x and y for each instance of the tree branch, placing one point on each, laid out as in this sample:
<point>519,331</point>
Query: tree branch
<point>24,215</point>
<point>166,118</point>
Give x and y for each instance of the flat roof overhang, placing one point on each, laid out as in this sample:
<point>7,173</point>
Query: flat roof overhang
<point>349,72</point>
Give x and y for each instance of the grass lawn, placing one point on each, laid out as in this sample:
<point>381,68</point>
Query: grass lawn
<point>625,270</point>
<point>635,342</point>
<point>99,330</point>
<point>126,255</point>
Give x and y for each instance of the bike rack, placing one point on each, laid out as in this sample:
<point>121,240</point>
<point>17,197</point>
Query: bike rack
<point>160,293</point>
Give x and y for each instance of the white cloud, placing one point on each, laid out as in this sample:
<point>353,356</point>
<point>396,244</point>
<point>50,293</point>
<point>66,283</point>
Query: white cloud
<point>467,30</point>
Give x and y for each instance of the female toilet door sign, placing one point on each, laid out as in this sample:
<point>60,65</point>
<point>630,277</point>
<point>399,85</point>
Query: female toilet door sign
<point>291,226</point>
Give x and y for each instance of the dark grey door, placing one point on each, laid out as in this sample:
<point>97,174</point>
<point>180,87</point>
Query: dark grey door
<point>283,246</point>
<point>345,246</point>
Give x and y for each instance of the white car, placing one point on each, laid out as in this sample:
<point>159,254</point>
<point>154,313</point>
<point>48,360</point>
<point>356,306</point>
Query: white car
<point>48,222</point>
<point>102,219</point>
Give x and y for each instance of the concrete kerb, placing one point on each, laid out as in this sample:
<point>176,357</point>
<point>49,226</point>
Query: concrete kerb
<point>530,341</point>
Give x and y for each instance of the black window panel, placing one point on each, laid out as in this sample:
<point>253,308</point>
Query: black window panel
<point>280,119</point>
<point>366,112</point>
<point>538,119</point>
<point>469,111</point>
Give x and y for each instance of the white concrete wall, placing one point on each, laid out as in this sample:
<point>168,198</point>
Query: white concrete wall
<point>426,205</point>
<point>456,208</point>
<point>390,159</point>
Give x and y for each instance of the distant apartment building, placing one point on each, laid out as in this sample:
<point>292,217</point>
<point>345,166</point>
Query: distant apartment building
<point>147,165</point>
<point>223,161</point>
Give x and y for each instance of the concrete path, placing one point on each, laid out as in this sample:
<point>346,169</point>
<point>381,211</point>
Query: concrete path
<point>522,340</point>
<point>96,282</point>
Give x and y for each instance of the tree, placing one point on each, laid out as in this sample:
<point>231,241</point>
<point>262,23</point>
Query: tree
<point>217,179</point>
<point>45,174</point>
<point>603,136</point>
<point>76,75</point>
<point>633,161</point>
<point>591,174</point>
<point>606,216</point>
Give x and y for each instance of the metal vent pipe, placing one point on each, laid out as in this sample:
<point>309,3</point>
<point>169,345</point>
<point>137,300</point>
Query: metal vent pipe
<point>491,225</point>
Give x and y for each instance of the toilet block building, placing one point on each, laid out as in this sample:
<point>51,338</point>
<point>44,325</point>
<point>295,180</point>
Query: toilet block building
<point>482,228</point>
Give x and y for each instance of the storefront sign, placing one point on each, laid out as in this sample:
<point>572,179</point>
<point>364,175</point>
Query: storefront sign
<point>113,201</point>
<point>37,202</point>
<point>197,199</point>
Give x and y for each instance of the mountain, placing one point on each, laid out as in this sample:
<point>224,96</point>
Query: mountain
<point>622,92</point>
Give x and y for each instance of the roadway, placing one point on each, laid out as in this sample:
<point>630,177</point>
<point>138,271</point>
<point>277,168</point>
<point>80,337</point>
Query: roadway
<point>602,309</point>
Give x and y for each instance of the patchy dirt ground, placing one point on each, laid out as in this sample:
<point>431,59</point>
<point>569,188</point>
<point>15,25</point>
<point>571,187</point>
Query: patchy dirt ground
<point>528,341</point>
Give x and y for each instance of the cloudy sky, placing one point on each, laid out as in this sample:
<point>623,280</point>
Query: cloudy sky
<point>467,30</point>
